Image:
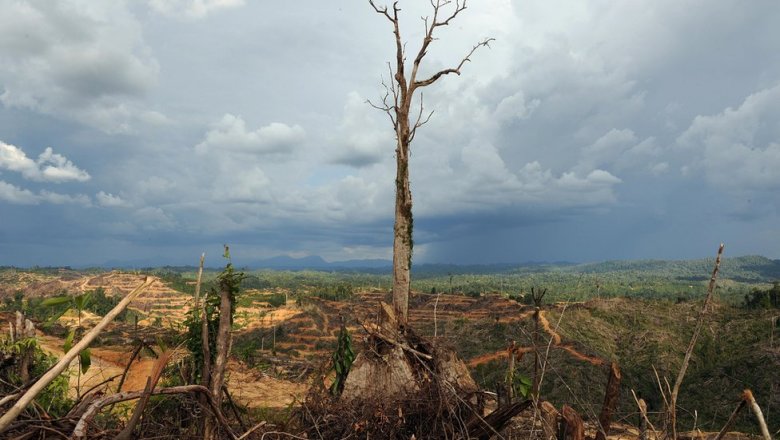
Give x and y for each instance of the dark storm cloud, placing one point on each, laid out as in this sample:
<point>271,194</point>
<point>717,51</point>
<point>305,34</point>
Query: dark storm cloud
<point>588,131</point>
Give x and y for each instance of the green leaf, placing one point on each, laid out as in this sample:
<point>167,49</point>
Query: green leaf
<point>69,341</point>
<point>56,316</point>
<point>56,301</point>
<point>82,301</point>
<point>85,359</point>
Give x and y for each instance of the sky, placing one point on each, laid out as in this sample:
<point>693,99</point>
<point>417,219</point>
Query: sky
<point>589,130</point>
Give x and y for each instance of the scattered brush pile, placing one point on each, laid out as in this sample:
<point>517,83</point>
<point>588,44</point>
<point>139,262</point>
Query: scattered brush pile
<point>402,386</point>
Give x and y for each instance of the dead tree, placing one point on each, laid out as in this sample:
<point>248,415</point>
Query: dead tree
<point>397,103</point>
<point>672,409</point>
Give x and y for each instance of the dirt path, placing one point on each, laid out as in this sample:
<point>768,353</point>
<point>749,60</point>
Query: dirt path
<point>250,387</point>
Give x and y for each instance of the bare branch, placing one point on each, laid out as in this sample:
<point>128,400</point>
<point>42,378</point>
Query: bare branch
<point>80,431</point>
<point>456,70</point>
<point>379,10</point>
<point>458,9</point>
<point>419,122</point>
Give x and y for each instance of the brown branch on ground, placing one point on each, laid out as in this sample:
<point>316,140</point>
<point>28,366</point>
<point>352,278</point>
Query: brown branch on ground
<point>80,431</point>
<point>485,428</point>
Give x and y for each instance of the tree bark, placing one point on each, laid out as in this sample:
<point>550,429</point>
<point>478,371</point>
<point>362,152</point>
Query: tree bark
<point>610,401</point>
<point>402,228</point>
<point>549,418</point>
<point>223,344</point>
<point>571,425</point>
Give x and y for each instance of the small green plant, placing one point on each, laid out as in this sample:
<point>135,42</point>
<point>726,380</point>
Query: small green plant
<point>228,279</point>
<point>522,385</point>
<point>54,398</point>
<point>342,361</point>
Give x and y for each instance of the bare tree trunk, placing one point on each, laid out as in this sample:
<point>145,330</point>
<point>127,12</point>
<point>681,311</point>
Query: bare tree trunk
<point>223,345</point>
<point>25,329</point>
<point>571,425</point>
<point>65,360</point>
<point>204,336</point>
<point>672,410</point>
<point>402,229</point>
<point>510,375</point>
<point>537,360</point>
<point>196,306</point>
<point>610,401</point>
<point>205,375</point>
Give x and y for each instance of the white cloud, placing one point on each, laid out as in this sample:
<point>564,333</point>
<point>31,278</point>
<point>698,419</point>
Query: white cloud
<point>250,184</point>
<point>230,134</point>
<point>193,9</point>
<point>64,199</point>
<point>56,168</point>
<point>152,218</point>
<point>50,166</point>
<point>109,200</point>
<point>739,148</point>
<point>20,196</point>
<point>362,140</point>
<point>16,195</point>
<point>77,59</point>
